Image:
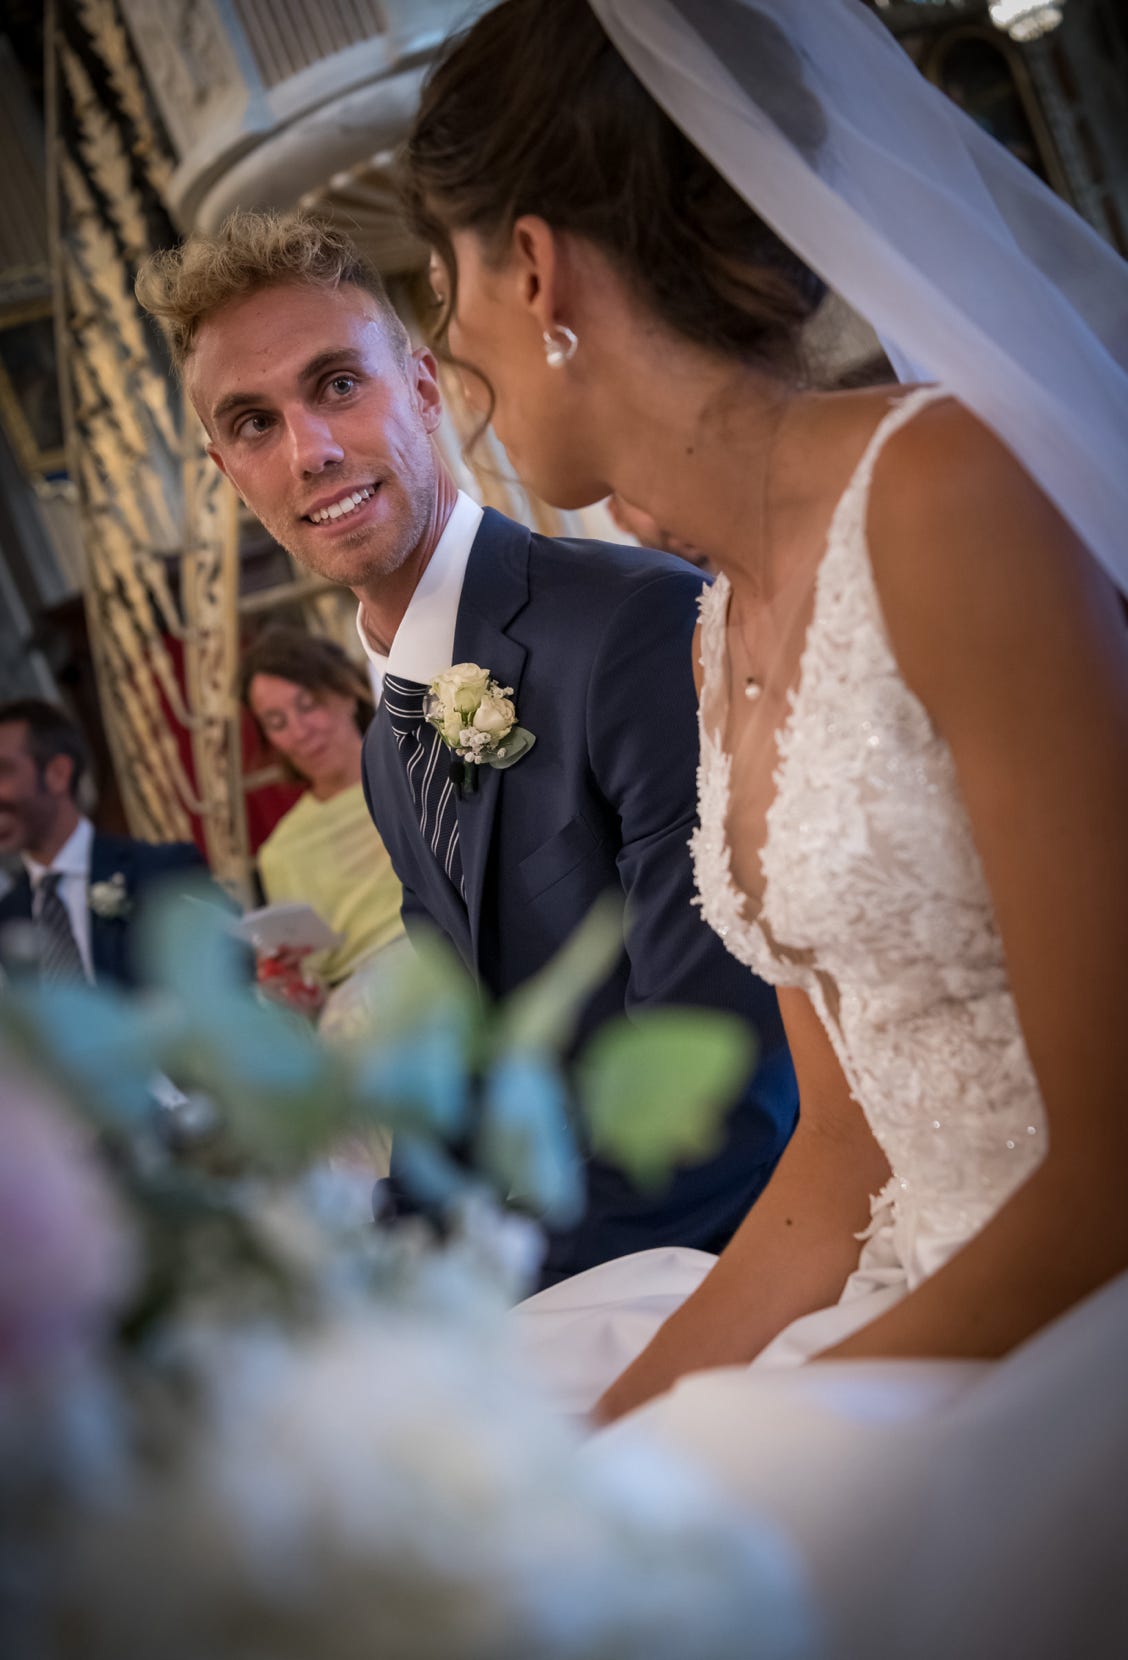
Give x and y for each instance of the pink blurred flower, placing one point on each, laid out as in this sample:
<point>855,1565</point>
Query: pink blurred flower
<point>67,1259</point>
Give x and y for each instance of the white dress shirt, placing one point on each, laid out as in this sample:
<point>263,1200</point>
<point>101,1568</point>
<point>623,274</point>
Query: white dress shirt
<point>72,863</point>
<point>424,642</point>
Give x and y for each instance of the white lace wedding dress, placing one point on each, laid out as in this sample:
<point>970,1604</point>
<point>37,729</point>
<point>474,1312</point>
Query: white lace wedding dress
<point>899,1480</point>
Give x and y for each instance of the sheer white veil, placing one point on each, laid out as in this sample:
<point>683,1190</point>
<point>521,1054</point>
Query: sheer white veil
<point>973,273</point>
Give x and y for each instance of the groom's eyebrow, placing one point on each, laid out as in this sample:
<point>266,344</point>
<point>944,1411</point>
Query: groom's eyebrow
<point>233,401</point>
<point>336,356</point>
<point>333,358</point>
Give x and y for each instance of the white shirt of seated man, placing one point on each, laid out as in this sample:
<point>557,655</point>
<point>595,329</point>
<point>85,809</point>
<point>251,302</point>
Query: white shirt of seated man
<point>72,864</point>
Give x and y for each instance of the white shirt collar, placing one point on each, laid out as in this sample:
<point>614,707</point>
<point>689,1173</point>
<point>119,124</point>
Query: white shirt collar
<point>72,859</point>
<point>424,642</point>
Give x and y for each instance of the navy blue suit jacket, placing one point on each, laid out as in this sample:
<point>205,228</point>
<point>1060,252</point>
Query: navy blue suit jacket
<point>596,641</point>
<point>142,864</point>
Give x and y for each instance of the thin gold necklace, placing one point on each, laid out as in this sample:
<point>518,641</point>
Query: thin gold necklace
<point>754,684</point>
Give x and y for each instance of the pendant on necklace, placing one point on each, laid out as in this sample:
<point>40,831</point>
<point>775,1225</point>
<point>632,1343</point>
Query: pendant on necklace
<point>752,688</point>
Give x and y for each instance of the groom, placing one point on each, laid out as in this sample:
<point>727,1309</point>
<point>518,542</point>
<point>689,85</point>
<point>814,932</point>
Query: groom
<point>322,417</point>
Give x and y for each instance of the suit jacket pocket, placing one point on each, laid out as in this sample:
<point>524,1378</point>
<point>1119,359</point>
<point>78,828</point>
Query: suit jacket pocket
<point>559,855</point>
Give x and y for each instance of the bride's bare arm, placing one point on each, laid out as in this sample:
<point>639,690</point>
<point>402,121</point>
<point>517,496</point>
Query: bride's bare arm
<point>794,1250</point>
<point>1016,646</point>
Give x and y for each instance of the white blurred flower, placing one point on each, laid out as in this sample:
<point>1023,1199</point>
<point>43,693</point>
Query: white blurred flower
<point>1025,19</point>
<point>393,1489</point>
<point>66,1258</point>
<point>110,899</point>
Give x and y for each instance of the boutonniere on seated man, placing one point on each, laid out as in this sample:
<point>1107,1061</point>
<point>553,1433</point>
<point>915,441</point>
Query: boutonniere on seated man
<point>110,899</point>
<point>477,719</point>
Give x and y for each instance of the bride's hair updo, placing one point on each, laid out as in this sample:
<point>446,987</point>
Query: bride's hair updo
<point>532,110</point>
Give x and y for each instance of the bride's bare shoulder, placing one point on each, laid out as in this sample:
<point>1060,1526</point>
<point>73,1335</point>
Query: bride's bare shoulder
<point>945,485</point>
<point>944,461</point>
<point>970,558</point>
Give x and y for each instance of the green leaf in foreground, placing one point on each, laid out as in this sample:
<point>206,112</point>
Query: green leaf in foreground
<point>542,1014</point>
<point>655,1088</point>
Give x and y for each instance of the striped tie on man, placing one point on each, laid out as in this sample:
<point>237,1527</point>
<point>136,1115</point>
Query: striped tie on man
<point>59,957</point>
<point>427,761</point>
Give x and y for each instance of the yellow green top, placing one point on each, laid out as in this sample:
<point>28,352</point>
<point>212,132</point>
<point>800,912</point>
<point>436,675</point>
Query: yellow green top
<point>328,855</point>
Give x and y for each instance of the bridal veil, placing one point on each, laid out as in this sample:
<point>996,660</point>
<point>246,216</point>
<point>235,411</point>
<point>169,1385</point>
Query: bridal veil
<point>971,270</point>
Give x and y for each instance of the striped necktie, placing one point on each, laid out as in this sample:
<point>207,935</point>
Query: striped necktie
<point>427,762</point>
<point>59,956</point>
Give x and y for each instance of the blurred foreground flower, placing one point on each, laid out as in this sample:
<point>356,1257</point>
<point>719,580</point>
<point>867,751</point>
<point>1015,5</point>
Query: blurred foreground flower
<point>294,1433</point>
<point>67,1258</point>
<point>390,1489</point>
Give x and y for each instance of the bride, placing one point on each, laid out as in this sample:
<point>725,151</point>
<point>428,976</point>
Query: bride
<point>914,717</point>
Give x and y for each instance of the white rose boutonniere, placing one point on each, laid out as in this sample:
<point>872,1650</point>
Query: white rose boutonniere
<point>477,719</point>
<point>110,899</point>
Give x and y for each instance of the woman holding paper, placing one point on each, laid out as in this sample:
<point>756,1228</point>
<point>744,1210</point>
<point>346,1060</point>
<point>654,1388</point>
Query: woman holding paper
<point>312,706</point>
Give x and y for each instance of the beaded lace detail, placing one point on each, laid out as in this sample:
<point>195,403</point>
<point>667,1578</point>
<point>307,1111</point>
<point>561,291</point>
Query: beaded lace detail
<point>875,904</point>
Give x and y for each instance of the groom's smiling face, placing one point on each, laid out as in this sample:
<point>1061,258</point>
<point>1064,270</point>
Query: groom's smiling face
<point>323,425</point>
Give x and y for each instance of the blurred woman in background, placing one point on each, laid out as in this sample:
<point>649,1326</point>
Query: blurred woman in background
<point>312,706</point>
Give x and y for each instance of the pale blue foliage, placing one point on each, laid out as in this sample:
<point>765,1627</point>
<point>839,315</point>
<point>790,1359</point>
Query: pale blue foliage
<point>418,1080</point>
<point>94,1045</point>
<point>524,1141</point>
<point>430,1057</point>
<point>194,958</point>
<point>187,949</point>
<point>433,1180</point>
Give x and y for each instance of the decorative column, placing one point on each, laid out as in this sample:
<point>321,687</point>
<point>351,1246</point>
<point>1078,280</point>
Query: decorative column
<point>161,557</point>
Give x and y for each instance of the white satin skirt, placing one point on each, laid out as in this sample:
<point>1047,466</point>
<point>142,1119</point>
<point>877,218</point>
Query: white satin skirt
<point>579,1335</point>
<point>943,1509</point>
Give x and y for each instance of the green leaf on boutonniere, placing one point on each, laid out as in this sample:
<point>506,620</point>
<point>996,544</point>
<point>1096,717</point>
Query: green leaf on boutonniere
<point>542,1014</point>
<point>516,743</point>
<point>655,1087</point>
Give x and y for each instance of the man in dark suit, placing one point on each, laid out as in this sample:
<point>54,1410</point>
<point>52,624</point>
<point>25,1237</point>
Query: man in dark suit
<point>595,642</point>
<point>81,890</point>
<point>322,416</point>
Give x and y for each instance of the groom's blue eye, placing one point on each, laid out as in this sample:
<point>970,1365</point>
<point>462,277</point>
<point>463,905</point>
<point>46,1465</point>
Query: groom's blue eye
<point>253,425</point>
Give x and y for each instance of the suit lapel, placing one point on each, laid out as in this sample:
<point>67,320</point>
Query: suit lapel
<point>495,589</point>
<point>16,903</point>
<point>15,906</point>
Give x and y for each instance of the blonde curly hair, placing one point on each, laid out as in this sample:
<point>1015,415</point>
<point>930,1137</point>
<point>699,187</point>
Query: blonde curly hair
<point>182,287</point>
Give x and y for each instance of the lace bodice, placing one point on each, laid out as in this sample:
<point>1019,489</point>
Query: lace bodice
<point>874,901</point>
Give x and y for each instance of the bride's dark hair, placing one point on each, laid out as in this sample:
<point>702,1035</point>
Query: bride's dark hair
<point>532,110</point>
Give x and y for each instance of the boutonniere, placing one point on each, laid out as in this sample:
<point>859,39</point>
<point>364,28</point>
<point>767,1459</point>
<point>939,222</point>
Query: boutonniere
<point>477,719</point>
<point>110,899</point>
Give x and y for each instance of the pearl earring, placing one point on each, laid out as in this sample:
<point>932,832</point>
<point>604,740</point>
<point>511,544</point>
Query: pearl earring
<point>560,344</point>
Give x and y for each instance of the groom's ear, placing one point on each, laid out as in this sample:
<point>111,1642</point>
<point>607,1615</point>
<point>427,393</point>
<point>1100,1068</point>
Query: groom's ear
<point>539,269</point>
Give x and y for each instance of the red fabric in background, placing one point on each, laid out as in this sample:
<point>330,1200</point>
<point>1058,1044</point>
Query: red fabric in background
<point>264,805</point>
